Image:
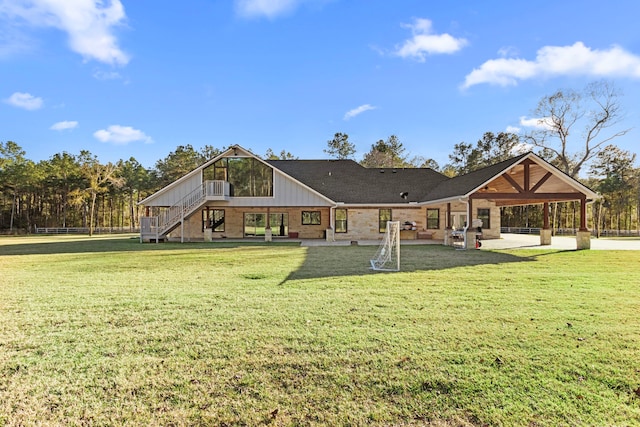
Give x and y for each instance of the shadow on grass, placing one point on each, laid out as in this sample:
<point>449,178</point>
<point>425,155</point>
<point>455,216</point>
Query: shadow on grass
<point>41,245</point>
<point>324,261</point>
<point>319,261</point>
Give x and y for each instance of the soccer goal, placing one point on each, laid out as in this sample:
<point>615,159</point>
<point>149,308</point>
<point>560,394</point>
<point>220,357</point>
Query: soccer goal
<point>388,256</point>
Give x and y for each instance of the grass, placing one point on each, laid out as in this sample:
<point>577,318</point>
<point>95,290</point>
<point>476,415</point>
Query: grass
<point>108,331</point>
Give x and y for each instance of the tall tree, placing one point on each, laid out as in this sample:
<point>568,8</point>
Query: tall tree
<point>63,176</point>
<point>178,163</point>
<point>490,149</point>
<point>615,171</point>
<point>590,113</point>
<point>386,154</point>
<point>340,147</point>
<point>135,180</point>
<point>98,178</point>
<point>13,175</point>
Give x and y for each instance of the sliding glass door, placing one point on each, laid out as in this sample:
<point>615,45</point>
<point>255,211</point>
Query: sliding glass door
<point>256,223</point>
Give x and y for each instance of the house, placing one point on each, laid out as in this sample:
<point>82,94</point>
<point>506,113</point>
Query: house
<point>239,195</point>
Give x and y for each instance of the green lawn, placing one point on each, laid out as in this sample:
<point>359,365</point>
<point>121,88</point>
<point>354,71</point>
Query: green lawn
<point>108,331</point>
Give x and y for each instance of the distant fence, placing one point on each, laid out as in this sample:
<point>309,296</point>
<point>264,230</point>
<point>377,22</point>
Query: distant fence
<point>85,230</point>
<point>570,232</point>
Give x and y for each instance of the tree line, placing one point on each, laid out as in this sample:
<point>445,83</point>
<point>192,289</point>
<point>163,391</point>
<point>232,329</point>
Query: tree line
<point>70,190</point>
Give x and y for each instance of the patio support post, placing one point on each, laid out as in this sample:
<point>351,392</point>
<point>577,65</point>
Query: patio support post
<point>268,233</point>
<point>545,233</point>
<point>469,231</point>
<point>583,236</point>
<point>447,227</point>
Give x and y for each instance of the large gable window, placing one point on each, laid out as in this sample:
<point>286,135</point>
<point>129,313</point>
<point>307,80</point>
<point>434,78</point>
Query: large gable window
<point>247,176</point>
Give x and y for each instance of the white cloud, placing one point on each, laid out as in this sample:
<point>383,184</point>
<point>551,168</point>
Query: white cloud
<point>64,125</point>
<point>573,60</point>
<point>268,8</point>
<point>512,129</point>
<point>538,123</point>
<point>424,42</point>
<point>25,100</point>
<point>88,23</point>
<point>121,135</point>
<point>359,110</point>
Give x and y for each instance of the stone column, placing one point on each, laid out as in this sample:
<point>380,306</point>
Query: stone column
<point>583,236</point>
<point>329,235</point>
<point>471,239</point>
<point>583,240</point>
<point>545,233</point>
<point>267,235</point>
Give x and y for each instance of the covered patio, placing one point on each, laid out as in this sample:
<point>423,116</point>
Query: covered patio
<point>532,181</point>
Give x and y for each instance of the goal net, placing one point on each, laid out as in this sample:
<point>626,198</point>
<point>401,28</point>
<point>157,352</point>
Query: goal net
<point>388,256</point>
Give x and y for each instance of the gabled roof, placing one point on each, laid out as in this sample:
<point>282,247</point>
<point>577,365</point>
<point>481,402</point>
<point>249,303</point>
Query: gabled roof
<point>463,185</point>
<point>348,182</point>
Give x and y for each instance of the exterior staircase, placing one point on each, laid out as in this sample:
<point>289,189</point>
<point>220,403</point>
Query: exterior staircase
<point>157,227</point>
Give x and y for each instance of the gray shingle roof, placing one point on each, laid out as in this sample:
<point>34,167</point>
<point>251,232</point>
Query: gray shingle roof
<point>347,181</point>
<point>464,184</point>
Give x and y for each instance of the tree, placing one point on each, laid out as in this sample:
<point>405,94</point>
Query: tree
<point>135,180</point>
<point>284,155</point>
<point>490,149</point>
<point>340,147</point>
<point>178,163</point>
<point>13,175</point>
<point>63,176</point>
<point>615,171</point>
<point>385,154</point>
<point>98,178</point>
<point>209,152</point>
<point>592,111</point>
<point>423,162</point>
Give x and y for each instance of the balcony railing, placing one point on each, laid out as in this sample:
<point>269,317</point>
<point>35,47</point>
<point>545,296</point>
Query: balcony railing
<point>216,190</point>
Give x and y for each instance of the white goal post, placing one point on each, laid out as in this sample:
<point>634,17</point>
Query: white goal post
<point>388,256</point>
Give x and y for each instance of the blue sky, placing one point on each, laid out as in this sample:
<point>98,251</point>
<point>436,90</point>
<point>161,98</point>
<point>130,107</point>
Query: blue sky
<point>138,78</point>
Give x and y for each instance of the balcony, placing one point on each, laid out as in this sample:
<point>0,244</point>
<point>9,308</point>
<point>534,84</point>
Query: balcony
<point>216,190</point>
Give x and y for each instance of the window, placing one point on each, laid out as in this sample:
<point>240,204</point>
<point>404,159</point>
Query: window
<point>213,219</point>
<point>310,217</point>
<point>484,214</point>
<point>433,219</point>
<point>248,177</point>
<point>384,215</point>
<point>341,220</point>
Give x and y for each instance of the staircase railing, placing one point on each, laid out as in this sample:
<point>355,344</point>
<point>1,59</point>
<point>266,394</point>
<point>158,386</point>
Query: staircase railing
<point>157,227</point>
<point>172,216</point>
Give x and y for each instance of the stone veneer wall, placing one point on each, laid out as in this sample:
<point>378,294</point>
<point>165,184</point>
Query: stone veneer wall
<point>234,223</point>
<point>362,223</point>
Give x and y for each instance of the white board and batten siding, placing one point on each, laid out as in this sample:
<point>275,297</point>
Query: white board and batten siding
<point>178,191</point>
<point>286,192</point>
